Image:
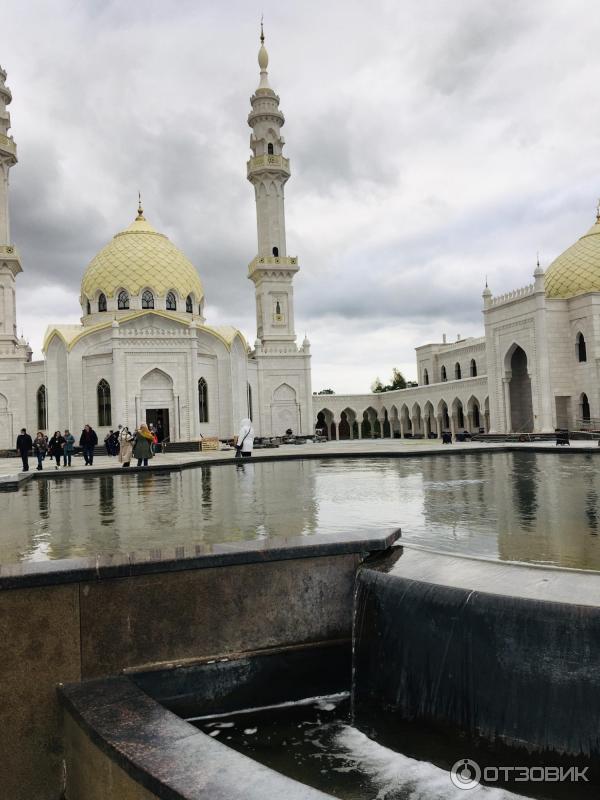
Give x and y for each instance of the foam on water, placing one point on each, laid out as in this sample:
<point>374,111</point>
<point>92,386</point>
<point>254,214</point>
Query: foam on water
<point>397,775</point>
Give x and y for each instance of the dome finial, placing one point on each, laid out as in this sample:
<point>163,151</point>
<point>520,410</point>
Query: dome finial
<point>262,33</point>
<point>140,209</point>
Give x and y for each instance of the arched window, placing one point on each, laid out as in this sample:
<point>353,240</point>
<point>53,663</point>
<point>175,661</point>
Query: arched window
<point>270,149</point>
<point>581,350</point>
<point>202,400</point>
<point>200,309</point>
<point>103,395</point>
<point>444,376</point>
<point>457,372</point>
<point>473,368</point>
<point>585,408</point>
<point>42,416</point>
<point>102,302</point>
<point>276,252</point>
<point>188,304</point>
<point>88,307</point>
<point>123,301</point>
<point>249,402</point>
<point>425,377</point>
<point>147,299</point>
<point>171,302</point>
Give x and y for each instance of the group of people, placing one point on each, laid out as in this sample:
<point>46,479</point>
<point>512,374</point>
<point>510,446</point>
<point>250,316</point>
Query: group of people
<point>127,445</point>
<point>122,443</point>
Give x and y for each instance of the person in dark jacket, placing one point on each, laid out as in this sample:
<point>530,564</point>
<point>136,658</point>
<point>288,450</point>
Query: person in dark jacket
<point>142,446</point>
<point>87,441</point>
<point>24,445</point>
<point>68,448</point>
<point>40,447</point>
<point>55,447</point>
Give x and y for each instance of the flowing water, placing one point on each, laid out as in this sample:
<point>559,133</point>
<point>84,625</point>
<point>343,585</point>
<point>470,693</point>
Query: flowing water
<point>313,742</point>
<point>521,506</point>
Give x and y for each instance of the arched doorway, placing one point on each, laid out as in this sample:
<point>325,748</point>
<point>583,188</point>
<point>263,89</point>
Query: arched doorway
<point>157,403</point>
<point>344,426</point>
<point>521,406</point>
<point>584,406</point>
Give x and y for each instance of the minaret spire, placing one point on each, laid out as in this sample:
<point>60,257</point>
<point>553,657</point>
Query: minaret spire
<point>268,171</point>
<point>263,61</point>
<point>9,257</point>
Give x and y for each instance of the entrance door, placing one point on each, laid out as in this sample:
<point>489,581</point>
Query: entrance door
<point>159,417</point>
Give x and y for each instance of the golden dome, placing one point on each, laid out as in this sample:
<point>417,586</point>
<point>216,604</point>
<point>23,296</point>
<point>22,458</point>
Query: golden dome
<point>138,258</point>
<point>577,270</point>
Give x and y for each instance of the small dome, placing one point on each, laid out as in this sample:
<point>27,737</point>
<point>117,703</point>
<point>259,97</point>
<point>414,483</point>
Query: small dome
<point>137,258</point>
<point>577,270</point>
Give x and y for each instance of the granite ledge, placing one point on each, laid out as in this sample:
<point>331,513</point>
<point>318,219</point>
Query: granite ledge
<point>166,755</point>
<point>189,557</point>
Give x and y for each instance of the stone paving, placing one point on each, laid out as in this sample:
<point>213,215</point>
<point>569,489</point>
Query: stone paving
<point>10,468</point>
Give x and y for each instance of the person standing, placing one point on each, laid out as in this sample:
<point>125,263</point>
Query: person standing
<point>245,440</point>
<point>40,448</point>
<point>55,447</point>
<point>68,448</point>
<point>24,445</point>
<point>125,447</point>
<point>87,441</point>
<point>142,447</point>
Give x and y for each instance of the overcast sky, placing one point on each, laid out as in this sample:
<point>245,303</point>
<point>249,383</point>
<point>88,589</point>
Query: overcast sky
<point>431,144</point>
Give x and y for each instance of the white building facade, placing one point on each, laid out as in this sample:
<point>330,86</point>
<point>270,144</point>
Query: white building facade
<point>143,351</point>
<point>536,368</point>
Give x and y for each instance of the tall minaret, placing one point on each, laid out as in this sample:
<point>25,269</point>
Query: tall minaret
<point>10,264</point>
<point>272,270</point>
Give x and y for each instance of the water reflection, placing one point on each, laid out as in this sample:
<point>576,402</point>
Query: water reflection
<point>513,506</point>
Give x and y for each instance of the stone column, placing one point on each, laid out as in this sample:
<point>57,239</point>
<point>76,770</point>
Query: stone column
<point>453,425</point>
<point>439,426</point>
<point>507,414</point>
<point>470,421</point>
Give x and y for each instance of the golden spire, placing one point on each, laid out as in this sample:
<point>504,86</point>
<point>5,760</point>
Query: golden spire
<point>140,209</point>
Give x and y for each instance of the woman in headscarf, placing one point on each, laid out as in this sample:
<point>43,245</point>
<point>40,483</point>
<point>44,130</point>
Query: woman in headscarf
<point>142,448</point>
<point>125,446</point>
<point>245,440</point>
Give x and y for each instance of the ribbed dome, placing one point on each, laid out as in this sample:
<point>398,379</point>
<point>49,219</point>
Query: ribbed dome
<point>139,258</point>
<point>577,270</point>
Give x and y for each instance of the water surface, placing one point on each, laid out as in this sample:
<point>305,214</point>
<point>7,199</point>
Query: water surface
<point>521,506</point>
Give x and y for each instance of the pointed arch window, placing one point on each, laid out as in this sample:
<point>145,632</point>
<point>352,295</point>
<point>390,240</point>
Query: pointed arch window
<point>104,410</point>
<point>123,300</point>
<point>88,307</point>
<point>202,400</point>
<point>42,414</point>
<point>457,371</point>
<point>102,302</point>
<point>171,302</point>
<point>473,368</point>
<point>249,402</point>
<point>147,299</point>
<point>188,304</point>
<point>581,348</point>
<point>443,373</point>
<point>270,149</point>
<point>276,252</point>
<point>425,377</point>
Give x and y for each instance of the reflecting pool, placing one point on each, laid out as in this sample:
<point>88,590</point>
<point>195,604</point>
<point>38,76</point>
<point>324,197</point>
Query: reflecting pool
<point>519,506</point>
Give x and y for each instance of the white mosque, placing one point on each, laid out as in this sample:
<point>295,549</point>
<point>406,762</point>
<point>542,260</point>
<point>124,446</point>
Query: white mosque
<point>143,350</point>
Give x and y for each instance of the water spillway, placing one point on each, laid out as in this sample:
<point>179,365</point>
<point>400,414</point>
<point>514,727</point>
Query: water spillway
<point>499,655</point>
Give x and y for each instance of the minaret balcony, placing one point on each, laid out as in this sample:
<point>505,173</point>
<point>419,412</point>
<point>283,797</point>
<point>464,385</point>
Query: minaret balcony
<point>8,146</point>
<point>273,263</point>
<point>9,255</point>
<point>268,163</point>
